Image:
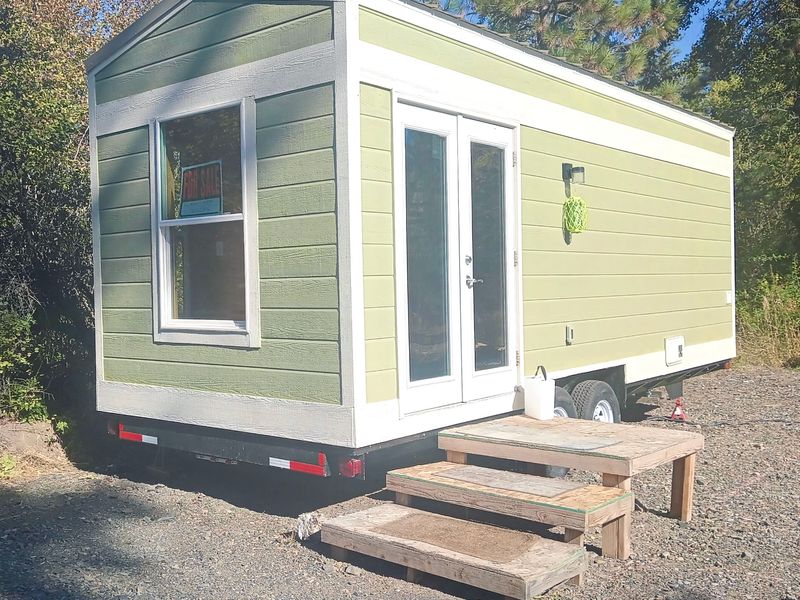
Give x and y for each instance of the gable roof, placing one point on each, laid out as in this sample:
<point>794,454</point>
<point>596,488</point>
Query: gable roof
<point>164,7</point>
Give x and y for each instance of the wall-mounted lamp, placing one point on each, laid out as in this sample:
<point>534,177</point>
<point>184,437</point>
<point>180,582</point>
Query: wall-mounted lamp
<point>573,174</point>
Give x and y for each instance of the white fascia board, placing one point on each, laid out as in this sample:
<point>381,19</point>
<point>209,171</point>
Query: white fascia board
<point>421,18</point>
<point>290,419</point>
<point>144,25</point>
<point>293,70</point>
<point>427,84</point>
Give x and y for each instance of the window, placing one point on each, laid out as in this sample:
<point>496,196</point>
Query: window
<point>204,278</point>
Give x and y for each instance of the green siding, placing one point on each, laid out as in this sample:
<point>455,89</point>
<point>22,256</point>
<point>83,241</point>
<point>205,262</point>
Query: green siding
<point>378,243</point>
<point>416,42</point>
<point>299,354</point>
<point>654,262</point>
<point>211,36</point>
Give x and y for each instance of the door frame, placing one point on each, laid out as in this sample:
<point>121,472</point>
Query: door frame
<point>413,397</point>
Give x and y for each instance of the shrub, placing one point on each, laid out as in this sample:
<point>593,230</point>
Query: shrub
<point>21,397</point>
<point>768,320</point>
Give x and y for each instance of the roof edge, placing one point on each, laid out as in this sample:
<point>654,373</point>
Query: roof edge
<point>563,63</point>
<point>127,35</point>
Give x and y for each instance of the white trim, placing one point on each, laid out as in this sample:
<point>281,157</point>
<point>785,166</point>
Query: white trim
<point>291,419</point>
<point>424,83</point>
<point>409,14</point>
<point>167,328</point>
<point>350,145</point>
<point>129,37</point>
<point>94,179</point>
<point>733,248</point>
<point>313,65</point>
<point>378,422</point>
<point>346,229</point>
<point>647,366</point>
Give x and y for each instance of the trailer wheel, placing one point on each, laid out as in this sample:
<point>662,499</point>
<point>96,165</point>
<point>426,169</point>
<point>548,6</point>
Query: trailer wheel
<point>564,406</point>
<point>596,401</point>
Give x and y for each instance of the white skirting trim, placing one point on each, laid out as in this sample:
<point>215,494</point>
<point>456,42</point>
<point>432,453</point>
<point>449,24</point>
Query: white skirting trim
<point>292,419</point>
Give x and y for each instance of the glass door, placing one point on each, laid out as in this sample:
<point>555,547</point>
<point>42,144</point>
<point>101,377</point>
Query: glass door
<point>454,254</point>
<point>426,214</point>
<point>487,259</point>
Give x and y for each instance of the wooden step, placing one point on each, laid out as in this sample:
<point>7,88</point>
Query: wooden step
<point>558,502</point>
<point>513,563</point>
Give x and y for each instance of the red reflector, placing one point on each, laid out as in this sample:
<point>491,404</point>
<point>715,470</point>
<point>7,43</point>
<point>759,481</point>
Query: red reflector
<point>351,467</point>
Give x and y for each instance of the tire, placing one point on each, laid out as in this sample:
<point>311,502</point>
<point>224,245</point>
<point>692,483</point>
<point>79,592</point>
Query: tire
<point>564,407</point>
<point>596,401</point>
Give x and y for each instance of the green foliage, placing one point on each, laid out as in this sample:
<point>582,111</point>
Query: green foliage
<point>45,257</point>
<point>20,395</point>
<point>745,71</point>
<point>769,320</point>
<point>612,37</point>
<point>7,466</point>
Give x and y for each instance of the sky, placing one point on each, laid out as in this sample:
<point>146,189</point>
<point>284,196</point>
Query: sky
<point>684,44</point>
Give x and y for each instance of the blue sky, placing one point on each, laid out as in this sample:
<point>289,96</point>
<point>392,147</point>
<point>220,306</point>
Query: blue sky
<point>684,44</point>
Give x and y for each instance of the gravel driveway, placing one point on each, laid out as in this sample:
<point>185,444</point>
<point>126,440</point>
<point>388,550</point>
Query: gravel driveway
<point>217,532</point>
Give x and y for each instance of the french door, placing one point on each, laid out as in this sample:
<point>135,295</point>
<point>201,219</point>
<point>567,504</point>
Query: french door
<point>455,273</point>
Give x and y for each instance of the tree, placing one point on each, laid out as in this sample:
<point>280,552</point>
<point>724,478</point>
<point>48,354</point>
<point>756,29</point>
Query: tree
<point>612,37</point>
<point>45,258</point>
<point>746,72</point>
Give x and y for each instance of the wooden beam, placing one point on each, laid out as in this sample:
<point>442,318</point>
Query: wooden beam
<point>574,536</point>
<point>457,457</point>
<point>683,487</point>
<point>339,554</point>
<point>616,534</point>
<point>402,499</point>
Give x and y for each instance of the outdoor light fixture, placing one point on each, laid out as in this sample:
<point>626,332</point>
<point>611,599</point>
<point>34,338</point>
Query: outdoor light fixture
<point>573,174</point>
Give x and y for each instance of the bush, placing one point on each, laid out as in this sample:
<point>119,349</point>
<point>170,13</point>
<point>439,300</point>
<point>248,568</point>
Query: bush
<point>21,396</point>
<point>768,320</point>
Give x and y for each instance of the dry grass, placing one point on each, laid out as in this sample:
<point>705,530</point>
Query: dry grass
<point>768,322</point>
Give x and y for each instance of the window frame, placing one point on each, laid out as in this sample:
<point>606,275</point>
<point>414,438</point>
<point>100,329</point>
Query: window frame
<point>166,327</point>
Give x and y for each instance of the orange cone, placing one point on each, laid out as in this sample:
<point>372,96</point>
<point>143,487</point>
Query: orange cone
<point>678,413</point>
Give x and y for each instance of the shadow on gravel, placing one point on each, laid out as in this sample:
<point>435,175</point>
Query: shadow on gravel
<point>58,557</point>
<point>263,489</point>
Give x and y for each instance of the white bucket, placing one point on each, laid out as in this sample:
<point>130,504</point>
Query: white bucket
<point>540,395</point>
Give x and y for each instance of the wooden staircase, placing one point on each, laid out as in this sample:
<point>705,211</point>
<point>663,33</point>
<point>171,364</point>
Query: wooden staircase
<point>513,563</point>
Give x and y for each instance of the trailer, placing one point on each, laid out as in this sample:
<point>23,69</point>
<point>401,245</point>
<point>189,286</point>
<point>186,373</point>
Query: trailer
<point>324,229</point>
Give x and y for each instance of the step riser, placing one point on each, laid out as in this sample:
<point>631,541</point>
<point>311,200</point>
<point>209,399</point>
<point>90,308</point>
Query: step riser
<point>499,505</point>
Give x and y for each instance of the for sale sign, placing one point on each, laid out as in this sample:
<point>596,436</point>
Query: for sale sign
<point>201,190</point>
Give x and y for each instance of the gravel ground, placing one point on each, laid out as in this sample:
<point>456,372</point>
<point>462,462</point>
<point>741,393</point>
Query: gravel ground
<point>216,532</point>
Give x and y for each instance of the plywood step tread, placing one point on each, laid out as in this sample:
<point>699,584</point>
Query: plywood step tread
<point>542,499</point>
<point>513,563</point>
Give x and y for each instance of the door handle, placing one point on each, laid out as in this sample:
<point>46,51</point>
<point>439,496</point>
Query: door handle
<point>471,282</point>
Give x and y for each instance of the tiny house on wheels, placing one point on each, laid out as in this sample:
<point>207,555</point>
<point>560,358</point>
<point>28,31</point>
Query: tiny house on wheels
<point>322,229</point>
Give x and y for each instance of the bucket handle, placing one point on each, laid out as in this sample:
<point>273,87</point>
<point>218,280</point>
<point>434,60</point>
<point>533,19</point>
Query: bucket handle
<point>543,370</point>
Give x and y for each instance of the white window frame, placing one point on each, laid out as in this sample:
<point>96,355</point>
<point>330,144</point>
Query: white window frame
<point>166,328</point>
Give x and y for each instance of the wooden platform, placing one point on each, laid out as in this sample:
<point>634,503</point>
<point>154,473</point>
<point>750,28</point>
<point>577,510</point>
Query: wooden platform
<point>616,450</point>
<point>513,563</point>
<point>542,499</point>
